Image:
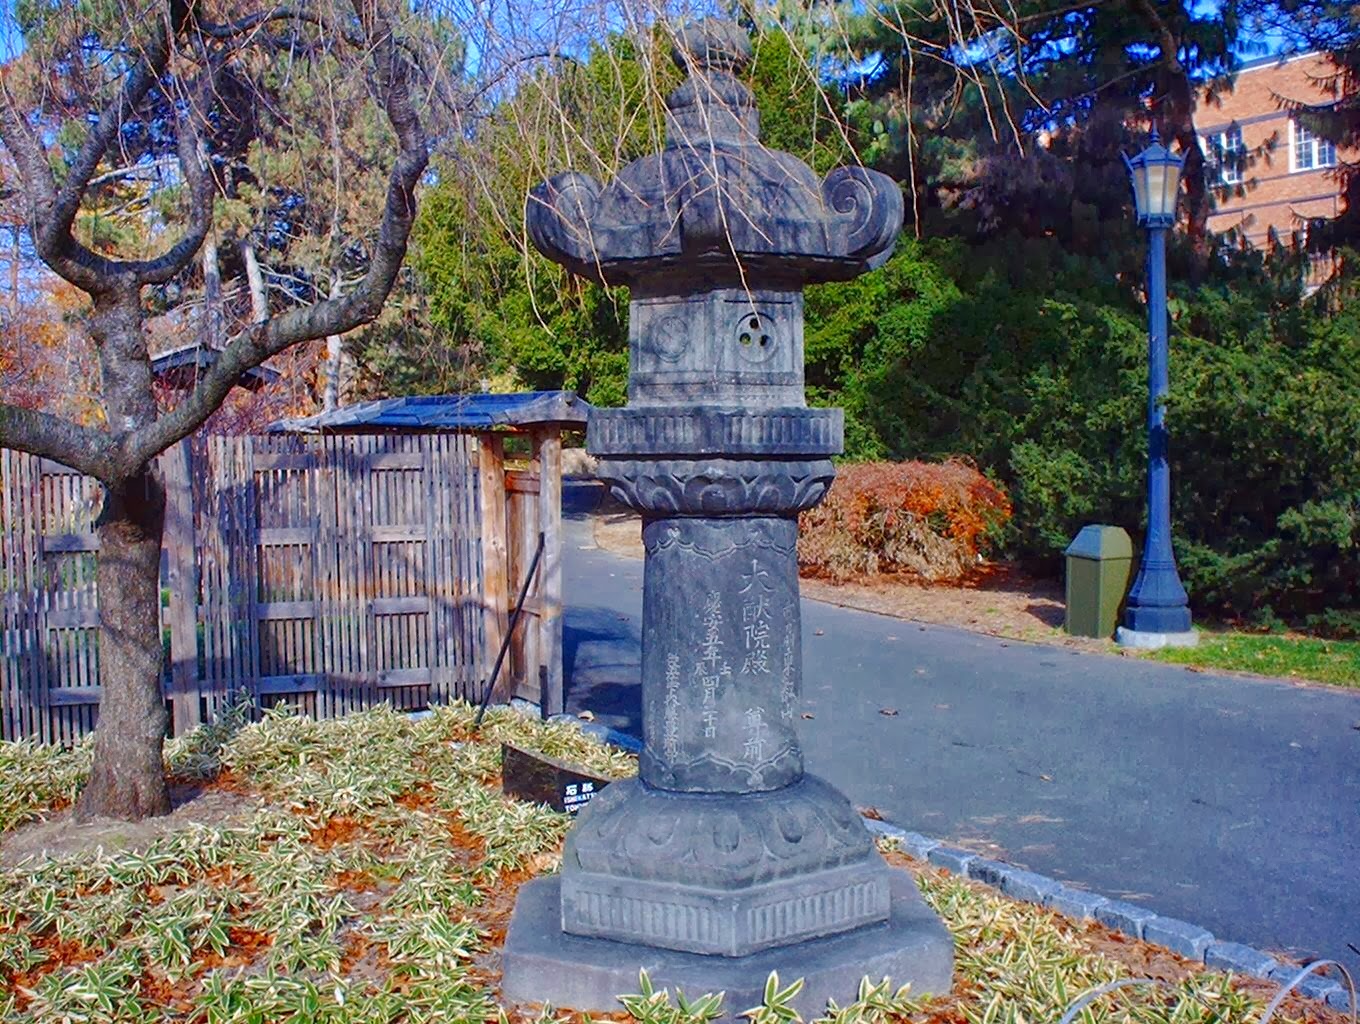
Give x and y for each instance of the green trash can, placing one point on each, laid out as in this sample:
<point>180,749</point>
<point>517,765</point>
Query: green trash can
<point>1099,570</point>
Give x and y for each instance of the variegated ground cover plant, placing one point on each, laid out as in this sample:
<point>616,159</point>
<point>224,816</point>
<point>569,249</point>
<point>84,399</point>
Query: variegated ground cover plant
<point>373,882</point>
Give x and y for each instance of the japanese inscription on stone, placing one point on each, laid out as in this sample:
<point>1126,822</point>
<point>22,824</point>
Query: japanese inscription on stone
<point>755,620</point>
<point>670,734</point>
<point>788,675</point>
<point>757,732</point>
<point>712,667</point>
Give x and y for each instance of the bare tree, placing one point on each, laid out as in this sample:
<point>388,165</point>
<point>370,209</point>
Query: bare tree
<point>182,92</point>
<point>172,60</point>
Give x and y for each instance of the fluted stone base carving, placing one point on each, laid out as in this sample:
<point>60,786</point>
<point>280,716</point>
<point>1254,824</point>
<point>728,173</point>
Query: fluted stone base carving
<point>717,487</point>
<point>719,874</point>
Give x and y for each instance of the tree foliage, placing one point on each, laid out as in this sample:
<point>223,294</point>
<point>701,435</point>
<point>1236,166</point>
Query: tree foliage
<point>126,127</point>
<point>1010,328</point>
<point>1031,360</point>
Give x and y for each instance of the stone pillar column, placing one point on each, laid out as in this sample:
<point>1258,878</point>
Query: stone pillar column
<point>723,859</point>
<point>722,663</point>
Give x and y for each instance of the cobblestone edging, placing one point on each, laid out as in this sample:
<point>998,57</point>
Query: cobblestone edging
<point>1189,940</point>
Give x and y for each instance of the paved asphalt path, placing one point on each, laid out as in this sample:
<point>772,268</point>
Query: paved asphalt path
<point>1227,801</point>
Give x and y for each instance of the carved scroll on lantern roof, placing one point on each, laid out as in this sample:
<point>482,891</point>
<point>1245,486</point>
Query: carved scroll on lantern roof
<point>715,201</point>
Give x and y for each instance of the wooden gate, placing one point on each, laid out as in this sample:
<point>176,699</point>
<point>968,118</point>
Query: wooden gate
<point>50,664</point>
<point>328,571</point>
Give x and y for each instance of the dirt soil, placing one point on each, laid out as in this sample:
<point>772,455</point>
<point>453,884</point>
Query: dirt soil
<point>60,835</point>
<point>999,600</point>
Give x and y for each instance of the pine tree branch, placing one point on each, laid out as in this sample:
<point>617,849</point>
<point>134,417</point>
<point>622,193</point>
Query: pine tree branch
<point>392,76</point>
<point>139,82</point>
<point>51,209</point>
<point>194,166</point>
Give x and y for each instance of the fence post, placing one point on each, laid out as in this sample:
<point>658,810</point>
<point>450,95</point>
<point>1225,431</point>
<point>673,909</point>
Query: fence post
<point>548,450</point>
<point>182,581</point>
<point>495,547</point>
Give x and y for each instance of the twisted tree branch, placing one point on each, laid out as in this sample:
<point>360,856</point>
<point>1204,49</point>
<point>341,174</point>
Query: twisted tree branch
<point>392,75</point>
<point>53,437</point>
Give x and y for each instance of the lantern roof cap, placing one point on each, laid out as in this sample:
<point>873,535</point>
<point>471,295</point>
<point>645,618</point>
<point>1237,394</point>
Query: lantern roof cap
<point>715,206</point>
<point>1155,153</point>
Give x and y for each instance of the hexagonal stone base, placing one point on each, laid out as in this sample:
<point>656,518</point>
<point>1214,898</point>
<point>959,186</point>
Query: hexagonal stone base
<point>721,873</point>
<point>729,923</point>
<point>542,964</point>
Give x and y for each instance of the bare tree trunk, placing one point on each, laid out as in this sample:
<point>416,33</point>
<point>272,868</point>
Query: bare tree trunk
<point>338,370</point>
<point>14,267</point>
<point>127,780</point>
<point>212,294</point>
<point>259,302</point>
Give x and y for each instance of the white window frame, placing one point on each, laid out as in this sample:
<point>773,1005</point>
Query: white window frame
<point>1320,153</point>
<point>1227,150</point>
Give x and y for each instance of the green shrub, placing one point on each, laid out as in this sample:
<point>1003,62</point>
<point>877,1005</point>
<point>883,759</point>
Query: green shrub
<point>1032,362</point>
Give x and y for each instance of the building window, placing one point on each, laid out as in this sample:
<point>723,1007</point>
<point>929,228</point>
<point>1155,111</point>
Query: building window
<point>1310,152</point>
<point>1227,155</point>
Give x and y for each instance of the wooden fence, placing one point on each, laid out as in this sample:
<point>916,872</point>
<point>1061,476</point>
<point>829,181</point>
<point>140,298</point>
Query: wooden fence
<point>329,572</point>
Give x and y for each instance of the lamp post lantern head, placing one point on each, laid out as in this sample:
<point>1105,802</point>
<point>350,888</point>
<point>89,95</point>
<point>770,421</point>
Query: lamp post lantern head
<point>1156,176</point>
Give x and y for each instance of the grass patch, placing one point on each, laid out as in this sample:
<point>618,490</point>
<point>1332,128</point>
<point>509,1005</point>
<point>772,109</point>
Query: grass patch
<point>1286,656</point>
<point>377,880</point>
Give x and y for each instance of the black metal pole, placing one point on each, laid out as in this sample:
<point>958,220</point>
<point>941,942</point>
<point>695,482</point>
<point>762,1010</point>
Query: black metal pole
<point>1157,603</point>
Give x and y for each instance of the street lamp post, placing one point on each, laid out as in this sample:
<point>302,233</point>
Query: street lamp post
<point>1156,613</point>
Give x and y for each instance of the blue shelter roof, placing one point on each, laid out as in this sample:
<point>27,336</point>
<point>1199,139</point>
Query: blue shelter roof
<point>432,413</point>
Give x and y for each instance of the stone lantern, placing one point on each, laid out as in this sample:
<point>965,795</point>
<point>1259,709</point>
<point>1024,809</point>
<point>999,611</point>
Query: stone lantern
<point>723,860</point>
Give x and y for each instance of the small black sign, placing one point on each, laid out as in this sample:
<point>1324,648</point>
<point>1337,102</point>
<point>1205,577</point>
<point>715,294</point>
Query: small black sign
<point>529,775</point>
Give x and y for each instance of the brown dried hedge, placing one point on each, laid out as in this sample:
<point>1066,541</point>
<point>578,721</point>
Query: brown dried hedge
<point>931,520</point>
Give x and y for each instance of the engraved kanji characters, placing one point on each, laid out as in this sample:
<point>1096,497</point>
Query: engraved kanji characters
<point>670,733</point>
<point>788,676</point>
<point>757,733</point>
<point>755,620</point>
<point>712,667</point>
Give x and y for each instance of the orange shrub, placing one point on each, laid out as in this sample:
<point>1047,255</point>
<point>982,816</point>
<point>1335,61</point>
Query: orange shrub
<point>928,519</point>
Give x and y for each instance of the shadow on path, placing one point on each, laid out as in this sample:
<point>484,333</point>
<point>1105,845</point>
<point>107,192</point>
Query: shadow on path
<point>601,666</point>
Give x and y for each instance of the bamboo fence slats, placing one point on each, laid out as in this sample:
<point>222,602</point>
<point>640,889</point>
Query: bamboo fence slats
<point>327,572</point>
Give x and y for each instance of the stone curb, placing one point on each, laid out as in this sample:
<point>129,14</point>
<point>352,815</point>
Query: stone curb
<point>1189,940</point>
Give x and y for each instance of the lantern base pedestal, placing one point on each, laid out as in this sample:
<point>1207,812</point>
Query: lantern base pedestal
<point>543,964</point>
<point>725,874</point>
<point>1125,637</point>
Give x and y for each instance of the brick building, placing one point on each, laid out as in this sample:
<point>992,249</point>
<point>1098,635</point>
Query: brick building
<point>1270,172</point>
